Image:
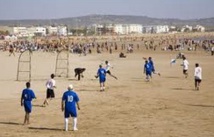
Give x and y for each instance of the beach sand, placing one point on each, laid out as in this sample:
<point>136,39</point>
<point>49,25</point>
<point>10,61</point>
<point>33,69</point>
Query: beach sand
<point>168,106</point>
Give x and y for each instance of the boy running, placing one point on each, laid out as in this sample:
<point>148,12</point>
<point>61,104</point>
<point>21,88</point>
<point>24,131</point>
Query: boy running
<point>150,61</point>
<point>185,67</point>
<point>50,84</point>
<point>108,66</point>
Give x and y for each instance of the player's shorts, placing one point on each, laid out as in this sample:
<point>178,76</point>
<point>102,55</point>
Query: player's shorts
<point>184,71</point>
<point>28,106</point>
<point>102,80</point>
<point>50,93</point>
<point>108,72</point>
<point>198,80</point>
<point>148,73</point>
<point>11,50</point>
<point>68,114</point>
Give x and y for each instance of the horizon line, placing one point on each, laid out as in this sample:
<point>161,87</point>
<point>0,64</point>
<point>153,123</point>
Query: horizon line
<point>102,15</point>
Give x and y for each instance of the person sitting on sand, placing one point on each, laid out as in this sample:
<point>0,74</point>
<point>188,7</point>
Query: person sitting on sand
<point>122,55</point>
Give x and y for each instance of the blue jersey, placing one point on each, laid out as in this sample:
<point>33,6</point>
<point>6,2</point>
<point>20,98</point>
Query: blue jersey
<point>70,98</point>
<point>102,74</point>
<point>27,96</point>
<point>152,65</point>
<point>148,67</point>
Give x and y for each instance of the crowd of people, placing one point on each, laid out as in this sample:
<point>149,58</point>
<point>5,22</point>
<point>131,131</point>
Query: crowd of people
<point>87,45</point>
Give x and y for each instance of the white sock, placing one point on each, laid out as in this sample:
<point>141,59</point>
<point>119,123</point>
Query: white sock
<point>66,124</point>
<point>75,123</point>
<point>101,88</point>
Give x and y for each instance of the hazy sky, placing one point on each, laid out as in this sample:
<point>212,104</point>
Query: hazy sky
<point>49,9</point>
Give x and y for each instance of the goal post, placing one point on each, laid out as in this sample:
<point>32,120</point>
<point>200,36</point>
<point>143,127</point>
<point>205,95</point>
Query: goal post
<point>62,64</point>
<point>24,66</point>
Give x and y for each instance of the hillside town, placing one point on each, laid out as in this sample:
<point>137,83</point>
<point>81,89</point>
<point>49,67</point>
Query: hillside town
<point>7,32</point>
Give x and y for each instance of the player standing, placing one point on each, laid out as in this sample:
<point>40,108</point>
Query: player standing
<point>198,76</point>
<point>148,70</point>
<point>69,101</point>
<point>26,98</point>
<point>101,73</point>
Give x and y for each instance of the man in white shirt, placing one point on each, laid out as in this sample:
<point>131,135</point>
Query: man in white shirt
<point>107,68</point>
<point>50,84</point>
<point>198,76</point>
<point>185,67</point>
<point>212,51</point>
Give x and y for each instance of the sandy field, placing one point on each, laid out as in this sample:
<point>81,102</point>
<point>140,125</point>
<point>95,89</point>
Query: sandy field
<point>168,106</point>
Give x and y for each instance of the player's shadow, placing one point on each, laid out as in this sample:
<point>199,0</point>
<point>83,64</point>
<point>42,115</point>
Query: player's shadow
<point>172,77</point>
<point>200,105</point>
<point>45,128</point>
<point>39,106</point>
<point>182,89</point>
<point>85,90</point>
<point>137,79</point>
<point>73,79</point>
<point>11,123</point>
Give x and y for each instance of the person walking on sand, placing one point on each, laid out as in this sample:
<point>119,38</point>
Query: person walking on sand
<point>11,50</point>
<point>26,99</point>
<point>50,84</point>
<point>185,65</point>
<point>101,73</point>
<point>148,71</point>
<point>69,102</point>
<point>198,76</point>
<point>150,61</point>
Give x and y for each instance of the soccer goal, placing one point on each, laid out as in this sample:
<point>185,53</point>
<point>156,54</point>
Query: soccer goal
<point>62,64</point>
<point>24,66</point>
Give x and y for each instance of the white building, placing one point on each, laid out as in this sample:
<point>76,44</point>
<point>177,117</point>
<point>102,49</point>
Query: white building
<point>156,29</point>
<point>119,28</point>
<point>62,31</point>
<point>148,29</point>
<point>127,28</point>
<point>52,30</point>
<point>186,28</point>
<point>58,30</point>
<point>200,28</point>
<point>19,31</point>
<point>161,29</point>
<point>41,31</point>
<point>135,28</point>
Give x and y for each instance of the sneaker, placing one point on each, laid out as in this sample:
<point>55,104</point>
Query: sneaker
<point>66,130</point>
<point>75,129</point>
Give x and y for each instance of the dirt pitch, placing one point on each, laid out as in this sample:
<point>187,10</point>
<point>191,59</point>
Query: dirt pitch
<point>168,106</point>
